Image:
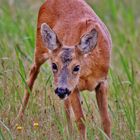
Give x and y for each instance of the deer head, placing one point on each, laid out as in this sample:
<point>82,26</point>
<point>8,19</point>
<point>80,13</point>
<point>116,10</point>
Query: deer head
<point>66,60</point>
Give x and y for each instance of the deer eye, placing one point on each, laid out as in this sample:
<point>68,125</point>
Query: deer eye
<point>54,67</point>
<point>76,69</point>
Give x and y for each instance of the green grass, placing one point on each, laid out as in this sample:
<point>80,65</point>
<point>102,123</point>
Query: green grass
<point>17,42</point>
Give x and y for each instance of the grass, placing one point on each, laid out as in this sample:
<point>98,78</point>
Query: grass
<point>17,42</point>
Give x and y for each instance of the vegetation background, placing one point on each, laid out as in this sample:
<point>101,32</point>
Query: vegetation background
<point>44,117</point>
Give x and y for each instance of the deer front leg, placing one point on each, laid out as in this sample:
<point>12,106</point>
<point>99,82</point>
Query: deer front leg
<point>32,77</point>
<point>40,58</point>
<point>77,109</point>
<point>67,110</point>
<point>102,101</point>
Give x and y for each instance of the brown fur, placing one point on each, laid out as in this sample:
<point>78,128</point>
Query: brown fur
<point>70,20</point>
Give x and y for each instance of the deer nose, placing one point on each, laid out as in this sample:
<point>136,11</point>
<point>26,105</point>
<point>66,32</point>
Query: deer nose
<point>62,92</point>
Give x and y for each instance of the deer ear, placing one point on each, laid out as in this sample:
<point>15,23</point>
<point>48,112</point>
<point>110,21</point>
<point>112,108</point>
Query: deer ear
<point>49,37</point>
<point>88,41</point>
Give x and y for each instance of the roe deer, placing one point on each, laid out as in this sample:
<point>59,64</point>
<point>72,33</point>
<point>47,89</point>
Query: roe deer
<point>78,44</point>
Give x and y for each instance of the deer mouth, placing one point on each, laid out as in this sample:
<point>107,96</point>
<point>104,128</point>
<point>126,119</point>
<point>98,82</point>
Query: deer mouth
<point>62,93</point>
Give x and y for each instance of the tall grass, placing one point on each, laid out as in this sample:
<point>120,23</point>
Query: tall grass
<point>17,42</point>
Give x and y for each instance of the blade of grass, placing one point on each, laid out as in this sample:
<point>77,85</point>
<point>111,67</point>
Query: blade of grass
<point>1,135</point>
<point>8,130</point>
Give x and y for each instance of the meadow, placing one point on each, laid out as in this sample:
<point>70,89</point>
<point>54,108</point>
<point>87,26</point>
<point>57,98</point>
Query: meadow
<point>44,117</point>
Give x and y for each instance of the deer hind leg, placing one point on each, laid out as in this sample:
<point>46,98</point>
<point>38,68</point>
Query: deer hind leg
<point>77,109</point>
<point>102,101</point>
<point>41,55</point>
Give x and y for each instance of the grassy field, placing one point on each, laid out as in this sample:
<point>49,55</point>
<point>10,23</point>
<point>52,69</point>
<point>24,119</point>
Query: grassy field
<point>17,42</point>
